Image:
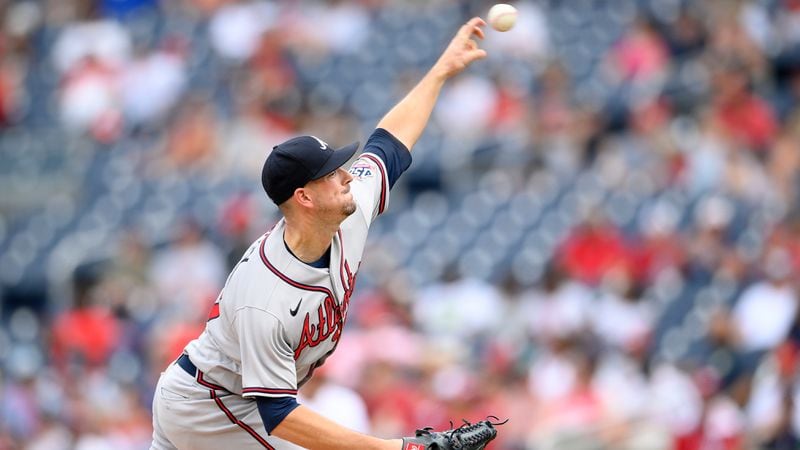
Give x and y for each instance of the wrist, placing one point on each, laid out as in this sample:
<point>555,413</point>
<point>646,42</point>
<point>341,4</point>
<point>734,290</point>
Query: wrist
<point>438,74</point>
<point>393,444</point>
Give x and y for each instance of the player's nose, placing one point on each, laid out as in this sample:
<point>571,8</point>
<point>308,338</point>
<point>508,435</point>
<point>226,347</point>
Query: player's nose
<point>347,177</point>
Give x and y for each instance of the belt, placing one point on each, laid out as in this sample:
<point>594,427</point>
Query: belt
<point>187,365</point>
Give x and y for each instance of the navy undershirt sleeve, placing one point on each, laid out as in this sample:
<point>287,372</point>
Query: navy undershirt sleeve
<point>394,153</point>
<point>274,409</point>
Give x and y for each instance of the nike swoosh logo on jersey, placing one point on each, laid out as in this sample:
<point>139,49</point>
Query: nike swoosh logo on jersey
<point>293,312</point>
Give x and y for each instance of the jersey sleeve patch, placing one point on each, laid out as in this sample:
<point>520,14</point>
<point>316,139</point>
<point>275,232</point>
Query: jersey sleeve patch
<point>362,170</point>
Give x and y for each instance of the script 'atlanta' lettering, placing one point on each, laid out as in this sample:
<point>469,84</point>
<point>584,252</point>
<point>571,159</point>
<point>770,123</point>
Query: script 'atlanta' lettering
<point>330,318</point>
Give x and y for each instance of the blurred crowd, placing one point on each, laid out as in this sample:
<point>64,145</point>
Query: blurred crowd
<point>599,238</point>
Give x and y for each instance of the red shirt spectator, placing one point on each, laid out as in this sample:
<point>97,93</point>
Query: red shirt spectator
<point>90,333</point>
<point>641,54</point>
<point>8,92</point>
<point>174,339</point>
<point>591,251</point>
<point>750,120</point>
<point>745,116</point>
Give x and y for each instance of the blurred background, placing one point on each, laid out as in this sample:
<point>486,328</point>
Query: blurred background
<point>599,237</point>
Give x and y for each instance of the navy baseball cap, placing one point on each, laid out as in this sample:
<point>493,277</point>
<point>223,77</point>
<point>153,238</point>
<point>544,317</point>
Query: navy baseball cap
<point>299,160</point>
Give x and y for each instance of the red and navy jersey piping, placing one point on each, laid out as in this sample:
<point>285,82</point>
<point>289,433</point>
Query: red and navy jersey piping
<point>286,279</point>
<point>212,391</point>
<point>261,390</point>
<point>384,180</point>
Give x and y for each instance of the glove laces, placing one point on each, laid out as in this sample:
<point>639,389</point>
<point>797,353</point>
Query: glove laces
<point>470,434</point>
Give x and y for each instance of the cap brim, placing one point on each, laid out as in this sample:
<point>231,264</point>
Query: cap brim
<point>338,159</point>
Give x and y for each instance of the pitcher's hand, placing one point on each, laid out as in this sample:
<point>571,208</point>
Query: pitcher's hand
<point>462,50</point>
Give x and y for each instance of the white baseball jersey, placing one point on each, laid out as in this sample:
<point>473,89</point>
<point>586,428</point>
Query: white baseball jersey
<point>275,320</point>
<point>278,318</point>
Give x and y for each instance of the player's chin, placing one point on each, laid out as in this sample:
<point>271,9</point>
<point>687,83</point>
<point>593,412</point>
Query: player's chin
<point>349,209</point>
<point>350,204</point>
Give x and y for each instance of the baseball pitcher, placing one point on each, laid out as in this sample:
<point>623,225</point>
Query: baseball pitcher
<point>283,307</point>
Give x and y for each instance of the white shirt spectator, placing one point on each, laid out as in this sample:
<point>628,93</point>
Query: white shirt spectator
<point>552,376</point>
<point>765,405</point>
<point>461,308</point>
<point>342,28</point>
<point>151,85</point>
<point>674,399</point>
<point>53,436</point>
<point>104,40</point>
<point>236,28</point>
<point>89,95</point>
<point>467,106</point>
<point>764,314</point>
<point>338,403</point>
<point>622,323</point>
<point>624,388</point>
<point>724,419</point>
<point>561,313</point>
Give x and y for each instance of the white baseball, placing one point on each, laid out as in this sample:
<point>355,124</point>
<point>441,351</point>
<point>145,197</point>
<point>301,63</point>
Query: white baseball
<point>502,16</point>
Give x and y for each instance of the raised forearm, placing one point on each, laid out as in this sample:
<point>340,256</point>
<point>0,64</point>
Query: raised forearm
<point>308,429</point>
<point>407,119</point>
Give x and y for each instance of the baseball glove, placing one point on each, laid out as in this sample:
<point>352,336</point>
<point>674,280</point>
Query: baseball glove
<point>469,436</point>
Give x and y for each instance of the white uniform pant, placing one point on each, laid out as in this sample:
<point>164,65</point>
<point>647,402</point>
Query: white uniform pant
<point>190,413</point>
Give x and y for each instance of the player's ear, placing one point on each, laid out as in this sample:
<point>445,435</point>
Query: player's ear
<point>302,197</point>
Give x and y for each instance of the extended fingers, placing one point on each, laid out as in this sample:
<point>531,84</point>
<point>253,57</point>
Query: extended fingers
<point>476,54</point>
<point>473,52</point>
<point>472,27</point>
<point>463,49</point>
<point>478,31</point>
